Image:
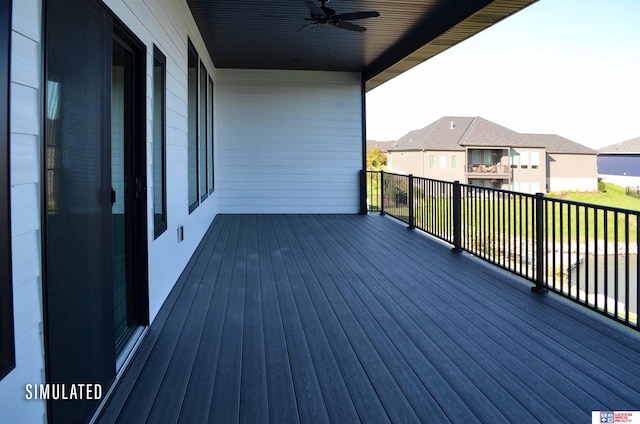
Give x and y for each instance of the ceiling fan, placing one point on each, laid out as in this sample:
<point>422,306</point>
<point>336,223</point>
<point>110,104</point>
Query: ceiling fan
<point>323,15</point>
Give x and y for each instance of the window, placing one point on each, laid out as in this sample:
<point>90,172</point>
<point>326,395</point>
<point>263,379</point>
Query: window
<point>202,134</point>
<point>159,144</point>
<point>535,187</point>
<point>200,128</point>
<point>443,161</point>
<point>535,160</point>
<point>514,158</point>
<point>192,127</point>
<point>454,161</point>
<point>210,176</point>
<point>524,159</point>
<point>432,161</point>
<point>7,353</point>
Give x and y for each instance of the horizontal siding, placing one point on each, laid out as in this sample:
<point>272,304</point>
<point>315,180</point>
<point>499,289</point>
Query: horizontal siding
<point>573,184</point>
<point>24,141</point>
<point>168,24</point>
<point>619,164</point>
<point>290,141</point>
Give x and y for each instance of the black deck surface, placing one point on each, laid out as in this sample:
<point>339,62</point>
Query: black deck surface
<point>332,318</point>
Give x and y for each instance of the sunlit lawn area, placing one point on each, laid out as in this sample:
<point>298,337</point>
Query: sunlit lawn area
<point>613,195</point>
<point>516,215</point>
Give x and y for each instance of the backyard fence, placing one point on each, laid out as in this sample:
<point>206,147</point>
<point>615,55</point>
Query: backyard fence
<point>633,191</point>
<point>584,252</point>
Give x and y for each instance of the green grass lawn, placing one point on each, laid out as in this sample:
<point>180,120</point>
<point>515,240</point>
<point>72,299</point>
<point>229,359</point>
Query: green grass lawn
<point>567,221</point>
<point>613,195</point>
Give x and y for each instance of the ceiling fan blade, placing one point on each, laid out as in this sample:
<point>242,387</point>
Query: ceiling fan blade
<point>315,9</point>
<point>349,26</point>
<point>311,26</point>
<point>356,15</point>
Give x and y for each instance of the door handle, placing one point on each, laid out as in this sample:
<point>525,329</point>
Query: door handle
<point>113,196</point>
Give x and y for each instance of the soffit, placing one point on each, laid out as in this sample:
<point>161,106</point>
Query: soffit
<point>252,34</point>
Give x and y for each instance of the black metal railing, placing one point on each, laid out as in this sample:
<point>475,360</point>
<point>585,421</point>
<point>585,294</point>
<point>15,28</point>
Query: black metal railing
<point>584,252</point>
<point>633,191</point>
<point>488,169</point>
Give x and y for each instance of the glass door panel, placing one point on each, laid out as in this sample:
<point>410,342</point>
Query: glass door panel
<point>120,96</point>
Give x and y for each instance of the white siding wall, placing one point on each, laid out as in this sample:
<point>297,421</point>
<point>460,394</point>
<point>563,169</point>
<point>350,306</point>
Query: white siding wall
<point>289,141</point>
<point>573,184</point>
<point>25,139</point>
<point>620,180</point>
<point>168,24</point>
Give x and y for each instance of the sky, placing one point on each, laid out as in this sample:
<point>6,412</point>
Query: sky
<point>566,67</point>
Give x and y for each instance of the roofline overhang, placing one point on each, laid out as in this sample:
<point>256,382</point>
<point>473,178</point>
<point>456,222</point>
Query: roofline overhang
<point>425,41</point>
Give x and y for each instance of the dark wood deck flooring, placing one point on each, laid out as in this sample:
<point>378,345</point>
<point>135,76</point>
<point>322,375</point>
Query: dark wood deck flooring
<point>306,318</point>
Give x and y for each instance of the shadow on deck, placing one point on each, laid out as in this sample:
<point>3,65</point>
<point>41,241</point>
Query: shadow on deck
<point>353,318</point>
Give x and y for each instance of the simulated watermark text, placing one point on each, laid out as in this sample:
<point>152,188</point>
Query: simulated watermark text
<point>59,391</point>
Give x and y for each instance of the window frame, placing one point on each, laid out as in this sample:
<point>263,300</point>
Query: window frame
<point>210,135</point>
<point>160,60</point>
<point>191,50</point>
<point>524,159</point>
<point>7,343</point>
<point>203,159</point>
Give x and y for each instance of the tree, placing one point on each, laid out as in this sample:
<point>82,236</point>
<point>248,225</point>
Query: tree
<point>376,159</point>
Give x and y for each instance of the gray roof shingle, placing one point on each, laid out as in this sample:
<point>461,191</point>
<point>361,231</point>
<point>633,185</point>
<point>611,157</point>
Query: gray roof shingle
<point>380,145</point>
<point>554,143</point>
<point>629,146</point>
<point>455,133</point>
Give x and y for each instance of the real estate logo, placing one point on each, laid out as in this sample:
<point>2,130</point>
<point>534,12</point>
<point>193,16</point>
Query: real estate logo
<point>615,417</point>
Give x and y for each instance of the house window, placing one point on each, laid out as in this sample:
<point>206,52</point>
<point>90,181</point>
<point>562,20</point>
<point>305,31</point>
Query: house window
<point>7,352</point>
<point>211,174</point>
<point>514,158</point>
<point>192,127</point>
<point>432,161</point>
<point>524,159</point>
<point>535,187</point>
<point>200,128</point>
<point>203,158</point>
<point>159,144</point>
<point>454,161</point>
<point>535,160</point>
<point>443,161</point>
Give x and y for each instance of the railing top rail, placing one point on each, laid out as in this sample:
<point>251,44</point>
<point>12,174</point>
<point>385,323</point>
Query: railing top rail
<point>497,190</point>
<point>393,173</point>
<point>593,206</point>
<point>432,179</point>
<point>511,192</point>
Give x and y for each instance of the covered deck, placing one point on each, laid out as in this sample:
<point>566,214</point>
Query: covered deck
<point>348,318</point>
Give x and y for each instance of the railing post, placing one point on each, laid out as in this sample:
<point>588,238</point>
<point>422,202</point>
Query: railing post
<point>410,201</point>
<point>381,192</point>
<point>457,217</point>
<point>539,230</point>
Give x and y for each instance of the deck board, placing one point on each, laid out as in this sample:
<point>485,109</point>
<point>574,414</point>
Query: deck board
<point>339,318</point>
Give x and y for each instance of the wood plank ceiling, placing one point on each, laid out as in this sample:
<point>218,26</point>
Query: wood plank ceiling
<point>267,34</point>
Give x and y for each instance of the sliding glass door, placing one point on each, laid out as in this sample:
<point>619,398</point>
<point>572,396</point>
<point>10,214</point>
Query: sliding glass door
<point>95,281</point>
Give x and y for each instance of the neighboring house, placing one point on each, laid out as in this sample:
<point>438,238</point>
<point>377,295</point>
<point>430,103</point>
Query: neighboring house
<point>383,146</point>
<point>480,152</point>
<point>127,126</point>
<point>620,163</point>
